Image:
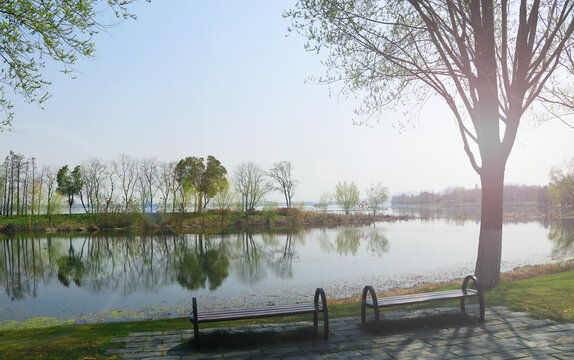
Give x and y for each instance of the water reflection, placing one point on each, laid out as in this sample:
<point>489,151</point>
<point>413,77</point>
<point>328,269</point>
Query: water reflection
<point>84,274</point>
<point>130,264</point>
<point>561,233</point>
<point>348,241</point>
<point>202,263</point>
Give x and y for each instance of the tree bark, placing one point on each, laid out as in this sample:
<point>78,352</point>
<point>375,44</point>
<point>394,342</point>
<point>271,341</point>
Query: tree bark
<point>490,239</point>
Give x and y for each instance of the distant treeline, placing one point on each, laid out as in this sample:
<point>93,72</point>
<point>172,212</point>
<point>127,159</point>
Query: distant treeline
<point>513,194</point>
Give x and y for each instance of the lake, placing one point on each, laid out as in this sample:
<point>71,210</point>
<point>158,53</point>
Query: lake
<point>111,276</point>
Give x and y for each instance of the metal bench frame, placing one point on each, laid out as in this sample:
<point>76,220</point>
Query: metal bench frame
<point>314,308</point>
<point>461,294</point>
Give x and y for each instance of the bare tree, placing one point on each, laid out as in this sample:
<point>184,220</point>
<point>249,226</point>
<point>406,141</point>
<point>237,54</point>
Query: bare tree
<point>126,170</point>
<point>148,180</point>
<point>168,185</point>
<point>281,173</point>
<point>93,174</point>
<point>50,180</point>
<point>489,61</point>
<point>251,184</point>
<point>108,189</point>
<point>5,197</point>
<point>225,197</point>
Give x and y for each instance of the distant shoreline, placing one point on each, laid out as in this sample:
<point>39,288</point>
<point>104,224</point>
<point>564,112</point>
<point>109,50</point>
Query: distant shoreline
<point>209,221</point>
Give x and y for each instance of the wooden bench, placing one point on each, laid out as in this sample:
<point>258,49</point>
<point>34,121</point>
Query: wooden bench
<point>314,308</point>
<point>463,293</point>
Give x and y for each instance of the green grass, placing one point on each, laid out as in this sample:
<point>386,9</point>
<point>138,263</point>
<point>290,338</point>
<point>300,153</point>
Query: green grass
<point>75,341</point>
<point>549,296</point>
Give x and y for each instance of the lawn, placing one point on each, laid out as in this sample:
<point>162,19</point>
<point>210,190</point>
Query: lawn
<point>547,296</point>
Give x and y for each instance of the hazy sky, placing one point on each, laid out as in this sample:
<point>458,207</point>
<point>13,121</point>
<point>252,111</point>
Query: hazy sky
<point>222,78</point>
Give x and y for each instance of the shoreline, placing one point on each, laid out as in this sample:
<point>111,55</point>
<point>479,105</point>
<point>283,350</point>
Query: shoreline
<point>112,316</point>
<point>209,221</point>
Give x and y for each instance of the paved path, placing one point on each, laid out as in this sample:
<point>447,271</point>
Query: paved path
<point>504,335</point>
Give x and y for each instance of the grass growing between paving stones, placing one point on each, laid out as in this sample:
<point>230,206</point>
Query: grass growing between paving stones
<point>548,296</point>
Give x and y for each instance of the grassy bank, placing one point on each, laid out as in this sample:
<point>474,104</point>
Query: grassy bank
<point>546,295</point>
<point>206,221</point>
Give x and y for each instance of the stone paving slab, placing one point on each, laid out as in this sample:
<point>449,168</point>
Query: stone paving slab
<point>504,335</point>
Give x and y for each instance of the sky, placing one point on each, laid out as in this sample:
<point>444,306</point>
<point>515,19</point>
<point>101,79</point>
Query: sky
<point>225,78</point>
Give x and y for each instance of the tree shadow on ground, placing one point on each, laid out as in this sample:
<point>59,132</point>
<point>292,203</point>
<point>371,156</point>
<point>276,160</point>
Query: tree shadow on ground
<point>438,321</point>
<point>218,339</point>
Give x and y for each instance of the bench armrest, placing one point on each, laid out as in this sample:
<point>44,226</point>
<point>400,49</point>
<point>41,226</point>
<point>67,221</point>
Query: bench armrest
<point>319,293</point>
<point>474,280</point>
<point>369,290</point>
<point>478,290</point>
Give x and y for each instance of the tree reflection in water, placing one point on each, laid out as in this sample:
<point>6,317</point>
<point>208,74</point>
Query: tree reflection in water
<point>71,267</point>
<point>348,241</point>
<point>130,264</point>
<point>561,233</point>
<point>281,260</point>
<point>247,259</point>
<point>203,264</point>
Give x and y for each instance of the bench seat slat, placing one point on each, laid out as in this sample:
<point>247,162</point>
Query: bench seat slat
<point>251,313</point>
<point>423,297</point>
<point>259,309</point>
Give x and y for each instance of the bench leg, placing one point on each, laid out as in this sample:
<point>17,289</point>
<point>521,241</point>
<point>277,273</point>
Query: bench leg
<point>481,299</point>
<point>195,325</point>
<point>369,290</point>
<point>325,322</point>
<point>462,305</point>
<point>320,294</point>
<point>480,294</point>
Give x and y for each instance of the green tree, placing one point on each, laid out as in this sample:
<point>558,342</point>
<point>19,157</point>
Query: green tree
<point>347,196</point>
<point>324,201</point>
<point>206,177</point>
<point>376,197</point>
<point>32,32</point>
<point>489,61</point>
<point>561,187</point>
<point>69,184</point>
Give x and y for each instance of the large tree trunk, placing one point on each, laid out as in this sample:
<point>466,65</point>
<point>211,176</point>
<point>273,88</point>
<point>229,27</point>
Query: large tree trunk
<point>490,240</point>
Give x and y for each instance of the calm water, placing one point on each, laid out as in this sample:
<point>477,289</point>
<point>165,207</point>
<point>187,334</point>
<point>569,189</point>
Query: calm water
<point>153,276</point>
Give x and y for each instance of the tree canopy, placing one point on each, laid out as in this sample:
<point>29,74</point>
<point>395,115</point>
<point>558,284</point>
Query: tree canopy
<point>251,185</point>
<point>205,177</point>
<point>489,61</point>
<point>347,196</point>
<point>376,197</point>
<point>33,32</point>
<point>561,188</point>
<point>69,184</point>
